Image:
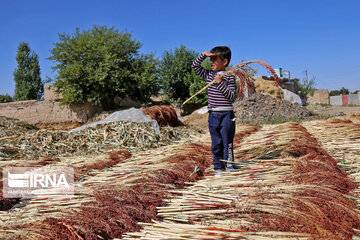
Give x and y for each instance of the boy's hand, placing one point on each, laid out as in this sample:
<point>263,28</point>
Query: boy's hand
<point>209,54</point>
<point>218,78</point>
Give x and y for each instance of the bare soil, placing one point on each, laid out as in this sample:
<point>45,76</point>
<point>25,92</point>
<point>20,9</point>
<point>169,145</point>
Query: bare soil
<point>263,108</point>
<point>329,110</point>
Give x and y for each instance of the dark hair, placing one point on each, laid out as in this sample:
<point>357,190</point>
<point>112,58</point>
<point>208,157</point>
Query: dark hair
<point>223,52</point>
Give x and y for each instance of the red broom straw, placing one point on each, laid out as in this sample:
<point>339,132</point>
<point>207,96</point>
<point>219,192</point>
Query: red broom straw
<point>239,71</point>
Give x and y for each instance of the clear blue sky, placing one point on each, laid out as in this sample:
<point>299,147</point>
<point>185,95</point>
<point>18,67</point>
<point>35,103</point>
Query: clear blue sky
<point>320,36</point>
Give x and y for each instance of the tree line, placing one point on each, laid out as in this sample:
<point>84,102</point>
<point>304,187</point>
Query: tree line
<point>341,91</point>
<point>102,63</point>
<point>28,84</point>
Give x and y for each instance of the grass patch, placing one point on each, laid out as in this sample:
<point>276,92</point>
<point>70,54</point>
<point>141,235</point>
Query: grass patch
<point>282,119</point>
<point>276,120</point>
<point>351,105</point>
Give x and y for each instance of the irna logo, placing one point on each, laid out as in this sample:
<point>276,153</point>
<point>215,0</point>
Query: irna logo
<point>32,181</point>
<point>36,180</point>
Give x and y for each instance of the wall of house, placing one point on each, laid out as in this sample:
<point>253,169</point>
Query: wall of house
<point>345,99</point>
<point>319,96</point>
<point>49,110</point>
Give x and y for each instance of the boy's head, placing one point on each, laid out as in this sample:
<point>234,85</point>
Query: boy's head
<point>222,60</point>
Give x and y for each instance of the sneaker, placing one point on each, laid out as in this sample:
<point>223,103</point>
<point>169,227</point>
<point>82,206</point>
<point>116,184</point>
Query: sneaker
<point>230,168</point>
<point>235,166</point>
<point>218,172</point>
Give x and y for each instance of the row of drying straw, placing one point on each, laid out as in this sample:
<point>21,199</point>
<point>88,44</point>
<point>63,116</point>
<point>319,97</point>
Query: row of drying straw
<point>119,175</point>
<point>221,206</point>
<point>95,140</point>
<point>341,139</point>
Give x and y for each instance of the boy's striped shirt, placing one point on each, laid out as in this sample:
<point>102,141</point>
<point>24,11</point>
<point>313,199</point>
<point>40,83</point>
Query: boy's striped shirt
<point>220,95</point>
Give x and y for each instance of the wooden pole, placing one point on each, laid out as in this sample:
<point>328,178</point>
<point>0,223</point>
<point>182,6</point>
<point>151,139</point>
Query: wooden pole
<point>208,85</point>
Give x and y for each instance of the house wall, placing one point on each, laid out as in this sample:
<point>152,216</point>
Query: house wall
<point>49,110</point>
<point>354,99</point>
<point>35,112</point>
<point>319,96</point>
<point>345,99</point>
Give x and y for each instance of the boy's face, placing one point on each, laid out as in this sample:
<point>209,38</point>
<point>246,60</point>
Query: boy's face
<point>217,64</point>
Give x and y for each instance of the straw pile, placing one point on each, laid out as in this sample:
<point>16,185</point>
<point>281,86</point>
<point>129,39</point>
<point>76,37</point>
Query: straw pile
<point>110,201</point>
<point>96,140</point>
<point>164,115</point>
<point>21,140</point>
<point>341,139</point>
<point>269,87</point>
<point>288,187</point>
<point>354,118</point>
<point>10,128</point>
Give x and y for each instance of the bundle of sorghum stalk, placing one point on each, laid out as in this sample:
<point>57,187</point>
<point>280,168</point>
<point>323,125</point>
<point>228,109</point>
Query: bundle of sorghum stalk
<point>99,139</point>
<point>12,127</point>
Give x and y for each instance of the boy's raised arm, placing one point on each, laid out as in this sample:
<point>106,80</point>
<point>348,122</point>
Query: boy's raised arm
<point>198,69</point>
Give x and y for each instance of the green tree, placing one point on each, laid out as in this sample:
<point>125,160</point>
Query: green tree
<point>27,79</point>
<point>344,91</point>
<point>197,84</point>
<point>334,93</point>
<point>339,92</point>
<point>5,98</point>
<point>306,86</point>
<point>146,75</point>
<point>176,73</point>
<point>99,64</point>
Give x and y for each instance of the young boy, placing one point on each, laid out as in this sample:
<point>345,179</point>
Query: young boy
<point>221,111</point>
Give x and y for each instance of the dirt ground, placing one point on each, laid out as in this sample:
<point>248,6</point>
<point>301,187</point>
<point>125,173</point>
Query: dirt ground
<point>200,120</point>
<point>334,110</point>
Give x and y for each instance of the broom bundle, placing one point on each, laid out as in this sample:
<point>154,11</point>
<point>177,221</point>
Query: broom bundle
<point>243,79</point>
<point>291,188</point>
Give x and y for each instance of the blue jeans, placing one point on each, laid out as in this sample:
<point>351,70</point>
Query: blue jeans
<point>222,131</point>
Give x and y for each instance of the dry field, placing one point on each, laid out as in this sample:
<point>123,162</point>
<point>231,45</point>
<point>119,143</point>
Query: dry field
<point>335,110</point>
<point>295,181</point>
